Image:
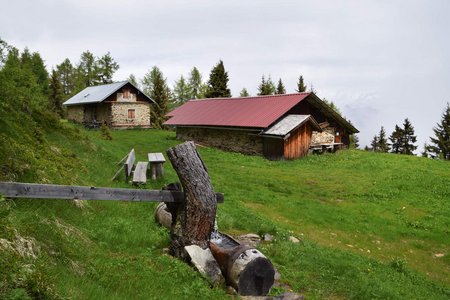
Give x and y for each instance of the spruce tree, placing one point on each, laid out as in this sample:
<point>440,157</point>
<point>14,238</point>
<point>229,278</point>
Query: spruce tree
<point>244,93</point>
<point>56,94</point>
<point>280,88</point>
<point>218,82</point>
<point>409,139</point>
<point>396,140</point>
<point>382,143</point>
<point>266,87</point>
<point>301,87</point>
<point>374,143</point>
<point>425,152</point>
<point>155,86</point>
<point>440,147</point>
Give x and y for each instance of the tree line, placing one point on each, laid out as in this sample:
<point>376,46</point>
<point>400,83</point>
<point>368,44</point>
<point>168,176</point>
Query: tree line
<point>403,139</point>
<point>26,84</point>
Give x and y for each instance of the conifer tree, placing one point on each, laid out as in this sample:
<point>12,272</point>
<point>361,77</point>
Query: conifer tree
<point>181,91</point>
<point>440,147</point>
<point>379,142</point>
<point>280,88</point>
<point>409,139</point>
<point>106,67</point>
<point>382,143</point>
<point>195,83</point>
<point>133,80</point>
<point>332,105</point>
<point>155,86</point>
<point>56,94</point>
<point>374,143</point>
<point>39,70</point>
<point>67,77</point>
<point>425,152</point>
<point>301,87</point>
<point>88,70</point>
<point>244,93</point>
<point>202,90</point>
<point>396,140</point>
<point>4,49</point>
<point>21,89</point>
<point>218,82</point>
<point>266,87</point>
<point>354,141</point>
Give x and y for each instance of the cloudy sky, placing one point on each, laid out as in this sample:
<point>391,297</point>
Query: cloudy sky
<point>379,61</point>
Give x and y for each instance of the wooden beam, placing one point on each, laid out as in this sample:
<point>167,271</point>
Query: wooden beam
<point>68,192</point>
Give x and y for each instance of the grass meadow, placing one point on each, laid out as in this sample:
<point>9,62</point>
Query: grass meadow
<point>371,225</point>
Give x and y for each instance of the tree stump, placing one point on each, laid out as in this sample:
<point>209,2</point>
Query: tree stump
<point>193,219</point>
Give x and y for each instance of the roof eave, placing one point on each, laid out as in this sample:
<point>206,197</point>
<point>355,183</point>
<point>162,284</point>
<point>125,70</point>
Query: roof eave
<point>337,116</point>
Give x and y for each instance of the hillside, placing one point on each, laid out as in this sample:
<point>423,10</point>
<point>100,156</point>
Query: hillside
<point>372,226</point>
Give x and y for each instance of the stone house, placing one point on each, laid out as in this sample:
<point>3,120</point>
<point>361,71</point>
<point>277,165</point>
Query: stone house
<point>119,105</point>
<point>277,126</point>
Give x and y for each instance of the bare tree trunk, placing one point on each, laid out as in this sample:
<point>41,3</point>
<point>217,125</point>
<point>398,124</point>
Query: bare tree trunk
<point>193,220</point>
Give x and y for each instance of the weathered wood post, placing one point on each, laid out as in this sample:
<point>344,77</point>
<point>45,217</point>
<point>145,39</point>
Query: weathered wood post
<point>193,219</point>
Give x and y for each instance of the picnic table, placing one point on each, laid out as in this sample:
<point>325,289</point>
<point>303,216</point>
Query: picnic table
<point>157,161</point>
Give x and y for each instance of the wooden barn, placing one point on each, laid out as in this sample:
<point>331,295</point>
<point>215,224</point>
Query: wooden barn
<point>119,105</point>
<point>277,126</point>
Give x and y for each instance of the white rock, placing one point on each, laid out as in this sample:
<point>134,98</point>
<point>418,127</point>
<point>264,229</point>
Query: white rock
<point>294,240</point>
<point>268,237</point>
<point>204,262</point>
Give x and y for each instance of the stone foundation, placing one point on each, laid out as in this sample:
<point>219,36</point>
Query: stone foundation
<point>227,139</point>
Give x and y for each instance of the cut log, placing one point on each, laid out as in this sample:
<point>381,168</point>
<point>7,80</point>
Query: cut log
<point>194,218</point>
<point>245,268</point>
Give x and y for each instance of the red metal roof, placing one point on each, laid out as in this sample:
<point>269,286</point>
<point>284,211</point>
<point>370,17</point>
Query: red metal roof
<point>259,111</point>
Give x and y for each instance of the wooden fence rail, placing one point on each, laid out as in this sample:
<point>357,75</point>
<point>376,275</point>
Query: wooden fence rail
<point>53,191</point>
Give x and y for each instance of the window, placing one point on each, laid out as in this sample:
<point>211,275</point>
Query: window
<point>126,93</point>
<point>131,114</point>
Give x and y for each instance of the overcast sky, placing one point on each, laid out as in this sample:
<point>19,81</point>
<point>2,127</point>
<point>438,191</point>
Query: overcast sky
<point>379,61</point>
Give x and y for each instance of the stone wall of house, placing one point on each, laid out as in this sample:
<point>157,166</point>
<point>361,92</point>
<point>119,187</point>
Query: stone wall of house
<point>324,137</point>
<point>75,113</point>
<point>227,139</point>
<point>119,114</point>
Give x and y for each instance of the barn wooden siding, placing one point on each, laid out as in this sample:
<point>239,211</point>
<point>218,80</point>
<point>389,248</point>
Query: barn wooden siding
<point>297,144</point>
<point>273,148</point>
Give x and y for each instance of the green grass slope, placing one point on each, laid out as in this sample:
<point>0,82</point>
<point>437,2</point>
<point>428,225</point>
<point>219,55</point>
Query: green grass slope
<point>372,226</point>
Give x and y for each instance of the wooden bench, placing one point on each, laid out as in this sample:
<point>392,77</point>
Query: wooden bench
<point>129,163</point>
<point>157,161</point>
<point>139,173</point>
